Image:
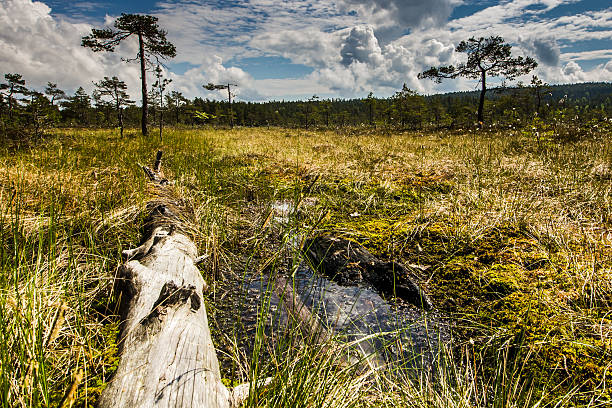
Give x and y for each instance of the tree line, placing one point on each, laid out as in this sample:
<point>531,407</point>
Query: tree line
<point>110,105</point>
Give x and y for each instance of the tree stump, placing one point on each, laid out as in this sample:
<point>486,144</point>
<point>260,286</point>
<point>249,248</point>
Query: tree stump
<point>349,263</point>
<point>167,355</point>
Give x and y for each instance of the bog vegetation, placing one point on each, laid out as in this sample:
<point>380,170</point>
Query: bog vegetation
<point>514,233</point>
<point>509,225</point>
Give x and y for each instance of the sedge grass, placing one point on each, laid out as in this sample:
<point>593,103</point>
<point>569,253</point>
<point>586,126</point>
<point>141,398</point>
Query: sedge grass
<point>69,204</point>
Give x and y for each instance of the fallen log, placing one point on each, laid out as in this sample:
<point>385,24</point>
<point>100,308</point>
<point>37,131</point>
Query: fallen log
<point>349,263</point>
<point>167,355</point>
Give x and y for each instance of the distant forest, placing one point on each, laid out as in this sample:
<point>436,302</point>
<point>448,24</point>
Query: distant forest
<point>405,110</point>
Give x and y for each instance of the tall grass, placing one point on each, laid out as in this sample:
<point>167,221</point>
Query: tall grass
<point>70,204</point>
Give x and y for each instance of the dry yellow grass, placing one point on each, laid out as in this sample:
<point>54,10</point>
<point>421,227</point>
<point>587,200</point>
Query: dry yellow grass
<point>68,205</point>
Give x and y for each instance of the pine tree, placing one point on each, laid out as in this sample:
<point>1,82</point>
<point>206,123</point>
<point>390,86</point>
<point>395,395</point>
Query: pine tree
<point>53,92</point>
<point>15,85</point>
<point>152,42</point>
<point>486,57</point>
<point>116,90</point>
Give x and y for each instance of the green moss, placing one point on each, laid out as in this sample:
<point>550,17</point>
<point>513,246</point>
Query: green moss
<point>429,182</point>
<point>230,383</point>
<point>501,279</point>
<point>100,372</point>
<point>501,283</point>
<point>372,199</point>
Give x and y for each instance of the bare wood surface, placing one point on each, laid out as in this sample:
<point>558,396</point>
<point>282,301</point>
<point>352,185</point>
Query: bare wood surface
<point>167,355</point>
<point>362,355</point>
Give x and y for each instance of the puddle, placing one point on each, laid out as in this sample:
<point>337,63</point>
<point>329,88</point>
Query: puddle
<point>282,211</point>
<point>399,336</point>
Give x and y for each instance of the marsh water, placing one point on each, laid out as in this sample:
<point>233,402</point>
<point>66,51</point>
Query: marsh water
<point>397,334</point>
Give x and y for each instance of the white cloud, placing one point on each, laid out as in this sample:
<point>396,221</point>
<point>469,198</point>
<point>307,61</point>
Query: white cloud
<point>43,48</point>
<point>378,46</point>
<point>368,67</point>
<point>351,59</point>
<point>361,46</point>
<point>571,68</point>
<point>228,30</point>
<point>402,14</point>
<point>201,30</point>
<point>308,46</point>
<point>572,72</point>
<point>588,55</point>
<point>530,32</point>
<point>213,71</point>
<point>545,50</point>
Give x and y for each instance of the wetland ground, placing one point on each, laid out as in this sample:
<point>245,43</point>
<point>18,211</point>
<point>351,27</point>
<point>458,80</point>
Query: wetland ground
<point>510,236</point>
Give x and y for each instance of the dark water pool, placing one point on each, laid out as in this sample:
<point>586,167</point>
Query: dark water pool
<point>395,334</point>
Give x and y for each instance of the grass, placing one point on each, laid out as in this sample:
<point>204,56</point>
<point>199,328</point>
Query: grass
<point>512,235</point>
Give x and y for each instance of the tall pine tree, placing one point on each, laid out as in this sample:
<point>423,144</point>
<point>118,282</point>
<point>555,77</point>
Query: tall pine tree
<point>151,42</point>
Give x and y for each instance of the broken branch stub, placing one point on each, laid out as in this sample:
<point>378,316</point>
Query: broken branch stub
<point>167,355</point>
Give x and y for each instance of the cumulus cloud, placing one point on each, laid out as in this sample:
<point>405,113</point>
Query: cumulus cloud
<point>573,72</point>
<point>545,50</point>
<point>218,73</point>
<point>354,58</point>
<point>213,71</point>
<point>362,46</point>
<point>352,46</point>
<point>571,68</point>
<point>405,13</point>
<point>43,49</point>
<point>366,66</point>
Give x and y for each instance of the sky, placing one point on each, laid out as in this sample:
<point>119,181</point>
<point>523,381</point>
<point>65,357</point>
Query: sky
<point>294,49</point>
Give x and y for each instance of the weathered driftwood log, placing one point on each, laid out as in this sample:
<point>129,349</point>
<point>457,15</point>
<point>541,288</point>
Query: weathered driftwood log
<point>167,355</point>
<point>349,263</point>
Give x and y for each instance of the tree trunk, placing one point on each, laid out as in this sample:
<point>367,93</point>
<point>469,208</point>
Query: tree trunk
<point>10,103</point>
<point>121,121</point>
<point>483,79</point>
<point>167,355</point>
<point>161,122</point>
<point>143,78</point>
<point>231,113</point>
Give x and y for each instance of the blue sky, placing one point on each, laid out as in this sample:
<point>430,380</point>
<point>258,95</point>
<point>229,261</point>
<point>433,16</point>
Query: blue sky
<point>292,49</point>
